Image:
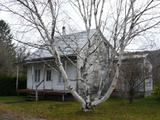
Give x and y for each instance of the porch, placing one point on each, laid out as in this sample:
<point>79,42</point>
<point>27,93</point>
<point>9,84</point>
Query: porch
<point>45,80</point>
<point>32,94</point>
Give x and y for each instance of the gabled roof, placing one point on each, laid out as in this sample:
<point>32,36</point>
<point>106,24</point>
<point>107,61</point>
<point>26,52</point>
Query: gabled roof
<point>67,45</point>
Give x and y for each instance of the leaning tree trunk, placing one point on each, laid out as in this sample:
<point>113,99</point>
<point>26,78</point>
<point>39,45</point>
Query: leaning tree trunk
<point>65,77</point>
<point>113,83</point>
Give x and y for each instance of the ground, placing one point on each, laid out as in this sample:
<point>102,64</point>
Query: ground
<point>16,108</point>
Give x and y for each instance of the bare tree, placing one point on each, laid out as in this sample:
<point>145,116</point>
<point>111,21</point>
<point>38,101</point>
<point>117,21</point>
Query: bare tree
<point>136,70</point>
<point>133,77</point>
<point>21,53</point>
<point>96,64</point>
<point>126,22</point>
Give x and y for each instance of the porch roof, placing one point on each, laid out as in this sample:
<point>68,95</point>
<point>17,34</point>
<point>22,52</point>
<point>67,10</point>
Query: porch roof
<point>47,59</point>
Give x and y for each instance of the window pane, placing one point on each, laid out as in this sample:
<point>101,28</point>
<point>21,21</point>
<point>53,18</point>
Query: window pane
<point>60,78</point>
<point>48,77</point>
<point>37,75</point>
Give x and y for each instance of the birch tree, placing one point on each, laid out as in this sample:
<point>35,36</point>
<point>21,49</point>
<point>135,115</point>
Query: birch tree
<point>123,22</point>
<point>96,60</point>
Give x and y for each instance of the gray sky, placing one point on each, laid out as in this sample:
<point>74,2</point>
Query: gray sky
<point>72,21</point>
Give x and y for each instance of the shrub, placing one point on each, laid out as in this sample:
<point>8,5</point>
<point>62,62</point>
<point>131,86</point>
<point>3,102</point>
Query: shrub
<point>8,85</point>
<point>156,91</point>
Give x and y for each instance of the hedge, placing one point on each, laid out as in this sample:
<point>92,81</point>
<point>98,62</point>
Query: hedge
<point>8,85</point>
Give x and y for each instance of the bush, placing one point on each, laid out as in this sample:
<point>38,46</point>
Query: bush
<point>156,91</point>
<point>8,85</point>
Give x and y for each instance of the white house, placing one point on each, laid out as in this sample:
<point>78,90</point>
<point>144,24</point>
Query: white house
<point>42,72</point>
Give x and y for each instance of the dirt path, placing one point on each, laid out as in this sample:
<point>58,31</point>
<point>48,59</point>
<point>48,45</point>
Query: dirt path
<point>9,115</point>
<point>4,115</point>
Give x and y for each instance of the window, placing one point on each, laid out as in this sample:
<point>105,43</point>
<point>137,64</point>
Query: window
<point>48,76</point>
<point>37,75</point>
<point>60,78</point>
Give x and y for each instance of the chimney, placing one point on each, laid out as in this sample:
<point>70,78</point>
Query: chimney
<point>63,30</point>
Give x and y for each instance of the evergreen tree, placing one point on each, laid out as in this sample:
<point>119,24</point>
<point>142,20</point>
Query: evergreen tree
<point>7,49</point>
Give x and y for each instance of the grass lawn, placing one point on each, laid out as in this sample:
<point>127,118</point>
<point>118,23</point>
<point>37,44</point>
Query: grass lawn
<point>113,109</point>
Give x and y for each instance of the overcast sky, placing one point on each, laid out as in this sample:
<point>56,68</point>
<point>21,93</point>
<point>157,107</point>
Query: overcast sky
<point>73,22</point>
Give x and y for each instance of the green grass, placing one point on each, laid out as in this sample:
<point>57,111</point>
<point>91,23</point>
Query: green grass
<point>113,109</point>
<point>11,99</point>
